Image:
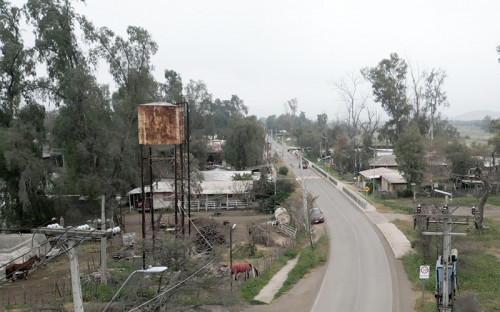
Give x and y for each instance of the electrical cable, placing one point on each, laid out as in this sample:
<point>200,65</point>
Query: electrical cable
<point>48,260</point>
<point>173,287</point>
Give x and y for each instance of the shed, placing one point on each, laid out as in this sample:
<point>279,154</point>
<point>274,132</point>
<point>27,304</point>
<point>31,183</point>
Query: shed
<point>218,190</point>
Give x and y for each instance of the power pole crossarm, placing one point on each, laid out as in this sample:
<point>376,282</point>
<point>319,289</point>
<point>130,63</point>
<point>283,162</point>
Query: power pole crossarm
<point>74,237</point>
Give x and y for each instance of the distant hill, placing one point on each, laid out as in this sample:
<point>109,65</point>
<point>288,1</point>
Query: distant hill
<point>476,115</point>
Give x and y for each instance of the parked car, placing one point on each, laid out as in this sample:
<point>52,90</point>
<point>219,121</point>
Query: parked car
<point>316,215</point>
<point>139,206</point>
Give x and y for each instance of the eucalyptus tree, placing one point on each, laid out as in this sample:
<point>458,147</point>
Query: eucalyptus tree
<point>172,88</point>
<point>388,81</point>
<point>200,118</point>
<point>435,96</point>
<point>226,110</point>
<point>17,63</point>
<point>23,173</point>
<point>291,110</point>
<point>410,154</point>
<point>245,142</point>
<point>272,123</point>
<point>129,61</point>
<point>22,168</point>
<point>83,106</point>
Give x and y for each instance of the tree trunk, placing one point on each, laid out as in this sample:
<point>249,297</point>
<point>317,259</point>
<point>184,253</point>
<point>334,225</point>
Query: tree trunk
<point>482,203</point>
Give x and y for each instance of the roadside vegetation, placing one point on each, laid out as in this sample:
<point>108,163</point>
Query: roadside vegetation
<point>308,260</point>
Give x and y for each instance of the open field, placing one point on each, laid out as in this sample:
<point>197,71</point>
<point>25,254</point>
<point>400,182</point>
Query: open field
<point>473,134</point>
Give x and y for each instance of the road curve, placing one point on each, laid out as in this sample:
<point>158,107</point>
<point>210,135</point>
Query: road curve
<point>358,276</point>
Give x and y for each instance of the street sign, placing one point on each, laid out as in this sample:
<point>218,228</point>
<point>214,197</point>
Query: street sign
<point>319,159</point>
<point>424,271</point>
<point>328,165</point>
<point>367,189</point>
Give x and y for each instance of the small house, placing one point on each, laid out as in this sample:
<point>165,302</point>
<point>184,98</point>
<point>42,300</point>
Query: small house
<point>386,180</point>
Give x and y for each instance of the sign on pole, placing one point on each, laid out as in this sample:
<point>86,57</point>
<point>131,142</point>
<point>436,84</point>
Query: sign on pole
<point>424,274</point>
<point>424,271</point>
<point>367,189</point>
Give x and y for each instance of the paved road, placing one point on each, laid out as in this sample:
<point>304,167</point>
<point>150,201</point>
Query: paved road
<point>359,273</point>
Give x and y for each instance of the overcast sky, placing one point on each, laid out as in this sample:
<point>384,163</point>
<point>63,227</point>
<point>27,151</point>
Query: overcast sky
<point>270,51</point>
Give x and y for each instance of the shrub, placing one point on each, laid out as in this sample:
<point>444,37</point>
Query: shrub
<point>283,171</point>
<point>406,193</point>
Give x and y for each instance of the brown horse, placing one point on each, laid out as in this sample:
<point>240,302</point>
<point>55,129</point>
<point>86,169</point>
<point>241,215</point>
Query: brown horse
<point>243,267</point>
<point>24,267</point>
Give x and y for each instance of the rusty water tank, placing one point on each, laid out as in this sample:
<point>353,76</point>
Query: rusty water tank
<point>161,123</point>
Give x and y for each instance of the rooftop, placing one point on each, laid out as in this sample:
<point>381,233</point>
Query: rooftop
<point>383,161</point>
<point>391,175</point>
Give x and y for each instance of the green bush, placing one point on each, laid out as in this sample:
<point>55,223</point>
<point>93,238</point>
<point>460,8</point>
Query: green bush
<point>406,193</point>
<point>291,253</point>
<point>283,171</point>
<point>308,259</point>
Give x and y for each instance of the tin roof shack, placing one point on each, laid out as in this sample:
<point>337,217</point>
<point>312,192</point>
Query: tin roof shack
<point>163,196</point>
<point>387,180</point>
<point>219,190</point>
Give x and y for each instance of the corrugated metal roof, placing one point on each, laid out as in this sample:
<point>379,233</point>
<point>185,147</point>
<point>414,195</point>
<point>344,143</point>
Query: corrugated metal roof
<point>217,181</point>
<point>225,187</point>
<point>222,175</point>
<point>392,176</point>
<point>384,161</point>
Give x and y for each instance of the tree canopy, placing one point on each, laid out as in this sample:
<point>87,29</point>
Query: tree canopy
<point>411,155</point>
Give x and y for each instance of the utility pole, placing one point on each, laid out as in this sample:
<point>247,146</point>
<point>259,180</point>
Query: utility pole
<point>74,237</point>
<point>445,285</point>
<point>104,279</point>
<point>304,199</point>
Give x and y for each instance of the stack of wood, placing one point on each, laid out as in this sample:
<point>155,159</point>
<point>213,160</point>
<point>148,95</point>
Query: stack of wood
<point>212,235</point>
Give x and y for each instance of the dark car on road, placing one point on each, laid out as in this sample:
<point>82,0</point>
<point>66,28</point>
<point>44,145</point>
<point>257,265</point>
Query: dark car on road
<point>316,216</point>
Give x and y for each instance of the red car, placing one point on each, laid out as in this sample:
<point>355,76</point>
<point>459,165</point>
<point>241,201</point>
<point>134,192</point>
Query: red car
<point>316,216</point>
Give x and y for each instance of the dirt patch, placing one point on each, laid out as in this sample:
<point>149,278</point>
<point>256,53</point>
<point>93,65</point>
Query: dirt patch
<point>225,218</point>
<point>49,285</point>
<point>49,282</point>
